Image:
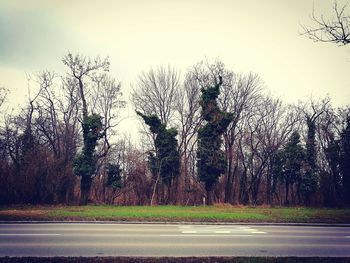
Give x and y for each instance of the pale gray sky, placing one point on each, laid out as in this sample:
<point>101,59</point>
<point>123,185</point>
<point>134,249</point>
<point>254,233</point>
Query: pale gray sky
<point>261,36</point>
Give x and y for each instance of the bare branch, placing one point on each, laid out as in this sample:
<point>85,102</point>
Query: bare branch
<point>334,30</point>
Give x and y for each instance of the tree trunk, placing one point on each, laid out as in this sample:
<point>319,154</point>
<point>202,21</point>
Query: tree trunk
<point>243,192</point>
<point>229,183</point>
<point>84,195</point>
<point>154,190</point>
<point>287,193</point>
<point>269,186</point>
<point>210,194</point>
<point>85,187</point>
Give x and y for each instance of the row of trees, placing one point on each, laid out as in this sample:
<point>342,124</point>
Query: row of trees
<point>256,127</point>
<point>212,134</point>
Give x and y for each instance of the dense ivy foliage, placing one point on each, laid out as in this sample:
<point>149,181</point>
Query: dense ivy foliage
<point>211,160</point>
<point>166,161</point>
<point>85,162</point>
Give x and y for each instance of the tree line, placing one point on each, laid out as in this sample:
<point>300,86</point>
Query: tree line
<point>211,134</point>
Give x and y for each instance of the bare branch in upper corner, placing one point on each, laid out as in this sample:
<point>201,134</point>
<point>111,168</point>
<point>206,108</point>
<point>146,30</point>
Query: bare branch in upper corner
<point>332,30</point>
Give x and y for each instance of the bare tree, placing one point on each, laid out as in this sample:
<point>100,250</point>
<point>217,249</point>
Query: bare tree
<point>239,93</point>
<point>106,100</point>
<point>333,30</point>
<point>328,131</point>
<point>81,69</point>
<point>48,119</point>
<point>277,127</point>
<point>155,93</point>
<point>188,121</point>
<point>57,124</point>
<point>263,128</point>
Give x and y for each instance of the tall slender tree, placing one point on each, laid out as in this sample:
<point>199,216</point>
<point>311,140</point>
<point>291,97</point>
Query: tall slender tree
<point>81,69</point>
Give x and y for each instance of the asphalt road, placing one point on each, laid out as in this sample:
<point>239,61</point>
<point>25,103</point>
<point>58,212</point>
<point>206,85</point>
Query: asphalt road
<point>64,239</point>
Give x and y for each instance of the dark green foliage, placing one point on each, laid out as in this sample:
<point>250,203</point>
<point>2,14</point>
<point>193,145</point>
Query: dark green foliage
<point>309,180</point>
<point>345,160</point>
<point>92,127</point>
<point>293,157</point>
<point>276,169</point>
<point>166,162</point>
<point>211,161</point>
<point>330,182</point>
<point>83,166</point>
<point>288,163</point>
<point>153,122</point>
<point>333,156</point>
<point>308,185</point>
<point>310,143</point>
<point>85,162</point>
<point>166,144</point>
<point>114,178</point>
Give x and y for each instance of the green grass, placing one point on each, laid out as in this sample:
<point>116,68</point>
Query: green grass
<point>175,260</point>
<point>159,212</point>
<point>219,213</point>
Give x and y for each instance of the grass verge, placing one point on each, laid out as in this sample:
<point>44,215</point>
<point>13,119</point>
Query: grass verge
<point>218,213</point>
<point>176,260</point>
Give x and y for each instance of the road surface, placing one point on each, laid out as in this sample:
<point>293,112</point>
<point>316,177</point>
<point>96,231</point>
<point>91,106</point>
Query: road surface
<point>90,239</point>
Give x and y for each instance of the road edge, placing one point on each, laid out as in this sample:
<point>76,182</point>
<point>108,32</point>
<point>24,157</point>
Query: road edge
<point>170,223</point>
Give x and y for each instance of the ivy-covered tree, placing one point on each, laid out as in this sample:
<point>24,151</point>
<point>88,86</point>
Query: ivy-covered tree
<point>166,160</point>
<point>309,180</point>
<point>97,93</point>
<point>211,161</point>
<point>345,160</point>
<point>85,162</point>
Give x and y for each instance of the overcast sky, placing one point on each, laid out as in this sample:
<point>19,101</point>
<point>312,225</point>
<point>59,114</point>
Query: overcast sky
<point>260,36</point>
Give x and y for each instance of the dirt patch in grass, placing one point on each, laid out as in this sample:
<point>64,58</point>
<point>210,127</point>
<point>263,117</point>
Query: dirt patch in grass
<point>23,215</point>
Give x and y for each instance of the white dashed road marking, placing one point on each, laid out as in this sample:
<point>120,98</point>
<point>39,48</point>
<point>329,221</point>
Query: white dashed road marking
<point>30,234</point>
<point>214,230</point>
<point>204,235</point>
